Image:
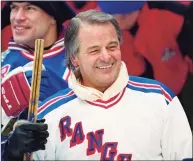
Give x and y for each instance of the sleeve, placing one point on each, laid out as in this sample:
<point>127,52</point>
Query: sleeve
<point>177,137</point>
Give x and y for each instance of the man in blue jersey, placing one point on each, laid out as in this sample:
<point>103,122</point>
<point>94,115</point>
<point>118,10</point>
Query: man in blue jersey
<point>30,21</point>
<point>106,114</point>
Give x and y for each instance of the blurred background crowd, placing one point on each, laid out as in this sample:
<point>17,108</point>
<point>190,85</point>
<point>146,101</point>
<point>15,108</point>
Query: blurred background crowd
<point>158,41</point>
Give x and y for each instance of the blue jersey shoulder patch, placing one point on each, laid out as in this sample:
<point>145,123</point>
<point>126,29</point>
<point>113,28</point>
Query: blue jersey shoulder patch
<point>55,101</point>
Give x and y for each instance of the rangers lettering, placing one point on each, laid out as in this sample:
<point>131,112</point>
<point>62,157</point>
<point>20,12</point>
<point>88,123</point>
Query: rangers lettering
<point>78,135</point>
<point>65,129</point>
<point>108,150</point>
<point>94,142</point>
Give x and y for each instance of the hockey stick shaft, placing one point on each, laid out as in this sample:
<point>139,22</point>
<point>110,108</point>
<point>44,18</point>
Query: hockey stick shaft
<point>35,86</point>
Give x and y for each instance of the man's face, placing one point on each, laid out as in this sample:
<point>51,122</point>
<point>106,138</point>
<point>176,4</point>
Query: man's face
<point>29,23</point>
<point>99,57</point>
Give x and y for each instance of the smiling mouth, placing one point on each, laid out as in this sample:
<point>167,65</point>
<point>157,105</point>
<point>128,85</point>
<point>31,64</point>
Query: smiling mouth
<point>19,28</point>
<point>105,67</point>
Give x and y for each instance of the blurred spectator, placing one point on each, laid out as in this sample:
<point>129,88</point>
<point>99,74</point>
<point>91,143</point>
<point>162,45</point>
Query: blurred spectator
<point>185,40</point>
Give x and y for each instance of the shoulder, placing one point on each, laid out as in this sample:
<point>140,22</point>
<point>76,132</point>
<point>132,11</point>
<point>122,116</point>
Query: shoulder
<point>55,101</point>
<point>146,85</point>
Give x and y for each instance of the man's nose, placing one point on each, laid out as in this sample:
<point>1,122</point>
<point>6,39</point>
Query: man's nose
<point>105,56</point>
<point>20,15</point>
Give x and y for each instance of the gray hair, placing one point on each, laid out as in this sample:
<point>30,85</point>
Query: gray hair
<point>91,17</point>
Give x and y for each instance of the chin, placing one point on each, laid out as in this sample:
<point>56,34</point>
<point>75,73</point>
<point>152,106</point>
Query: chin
<point>21,41</point>
<point>109,82</point>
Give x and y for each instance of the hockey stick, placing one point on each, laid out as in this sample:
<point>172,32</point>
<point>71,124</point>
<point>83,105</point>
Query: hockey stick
<point>35,86</point>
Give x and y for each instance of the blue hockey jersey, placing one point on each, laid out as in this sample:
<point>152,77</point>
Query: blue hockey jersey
<point>54,61</point>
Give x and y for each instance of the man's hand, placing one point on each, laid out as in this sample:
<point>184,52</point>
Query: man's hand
<point>27,137</point>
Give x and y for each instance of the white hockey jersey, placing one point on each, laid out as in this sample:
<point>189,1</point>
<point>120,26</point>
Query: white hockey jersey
<point>135,119</point>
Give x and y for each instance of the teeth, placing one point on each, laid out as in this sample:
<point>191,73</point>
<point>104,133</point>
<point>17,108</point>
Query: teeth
<point>104,67</point>
<point>19,28</point>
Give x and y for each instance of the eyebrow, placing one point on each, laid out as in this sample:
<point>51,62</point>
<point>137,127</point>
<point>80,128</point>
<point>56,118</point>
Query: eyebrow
<point>113,43</point>
<point>92,47</point>
<point>96,46</point>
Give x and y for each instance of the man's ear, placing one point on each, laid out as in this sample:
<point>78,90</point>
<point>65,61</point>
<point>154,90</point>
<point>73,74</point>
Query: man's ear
<point>74,61</point>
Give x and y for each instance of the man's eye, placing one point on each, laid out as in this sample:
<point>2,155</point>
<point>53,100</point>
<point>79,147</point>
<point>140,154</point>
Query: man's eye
<point>93,52</point>
<point>112,47</point>
<point>29,7</point>
<point>12,7</point>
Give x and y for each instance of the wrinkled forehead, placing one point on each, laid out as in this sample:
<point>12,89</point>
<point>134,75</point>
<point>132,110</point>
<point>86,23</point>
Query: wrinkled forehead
<point>91,33</point>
